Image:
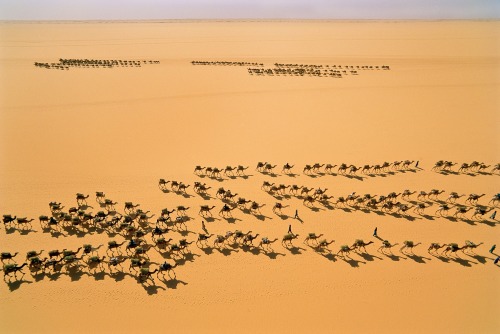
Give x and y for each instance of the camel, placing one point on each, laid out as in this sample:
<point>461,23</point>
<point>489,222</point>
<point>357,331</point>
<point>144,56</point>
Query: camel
<point>181,210</point>
<point>366,169</point>
<point>157,231</point>
<point>71,260</point>
<point>183,244</point>
<point>307,169</point>
<point>464,168</point>
<point>229,170</point>
<point>344,250</point>
<point>100,197</point>
<point>453,197</point>
<point>435,193</point>
<point>312,236</point>
<point>208,171</point>
<point>182,188</point>
<point>282,188</point>
<point>130,207</point>
<point>273,190</point>
<point>137,263</point>
<point>229,195</point>
<point>56,253</point>
<point>316,167</point>
<point>255,207</point>
<point>470,245</point>
<point>287,239</point>
<point>319,192</point>
<point>198,170</point>
<point>480,211</point>
<point>420,207</point>
<point>268,168</point>
<point>95,260</point>
<point>166,267</point>
<point>116,261</point>
<point>495,199</point>
<point>386,245</point>
<point>145,274</point>
<point>407,163</point>
<point>7,219</point>
<point>87,248</point>
<point>266,186</point>
<point>166,212</point>
<point>220,192</point>
<point>376,168</point>
<point>329,167</point>
<point>325,199</point>
<point>205,209</point>
<point>435,247</point>
<point>353,169</point>
<point>473,198</point>
<point>323,244</point>
<point>202,237</point>
<point>340,200</point>
<point>443,208</point>
<point>385,166</point>
<point>241,202</point>
<point>248,239</point>
<point>112,245</point>
<point>266,242</point>
<point>33,253</point>
<point>162,242</point>
<point>343,169</point>
<point>407,193</point>
<point>396,165</point>
<point>226,211</point>
<point>81,199</point>
<point>438,165</point>
<point>219,240</point>
<point>495,168</point>
<point>241,170</point>
<point>66,252</point>
<point>422,194</point>
<point>277,208</point>
<point>13,268</point>
<point>110,205</point>
<point>448,165</point>
<point>162,184</point>
<point>408,244</point>
<point>403,208</point>
<point>260,166</point>
<point>461,210</point>
<point>7,255</point>
<point>51,263</point>
<point>359,243</point>
<point>237,235</point>
<point>287,168</point>
<point>309,201</point>
<point>453,248</point>
<point>294,188</point>
<point>24,220</point>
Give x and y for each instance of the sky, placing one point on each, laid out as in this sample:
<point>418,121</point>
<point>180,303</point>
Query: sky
<point>248,9</point>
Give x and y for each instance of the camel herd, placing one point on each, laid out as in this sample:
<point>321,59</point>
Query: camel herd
<point>225,63</point>
<point>139,234</point>
<point>66,64</point>
<point>444,166</point>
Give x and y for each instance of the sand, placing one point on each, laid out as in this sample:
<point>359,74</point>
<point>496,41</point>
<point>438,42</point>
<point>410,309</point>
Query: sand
<point>118,130</point>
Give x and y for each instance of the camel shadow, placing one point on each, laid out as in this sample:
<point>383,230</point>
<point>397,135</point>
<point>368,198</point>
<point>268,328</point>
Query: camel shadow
<point>295,250</point>
<point>165,191</point>
<point>183,194</point>
<point>487,222</point>
<point>15,285</point>
<point>119,276</point>
<point>231,220</point>
<point>314,208</point>
<point>479,258</point>
<point>251,249</point>
<point>463,262</point>
<point>272,254</point>
<point>283,216</point>
<point>211,219</point>
<point>313,176</point>
<point>345,209</point>
<point>226,251</point>
<point>441,258</point>
<point>27,231</point>
<point>38,276</point>
<point>369,257</point>
<point>53,276</point>
<point>353,263</point>
<point>328,255</point>
<point>394,257</point>
<point>355,177</point>
<point>291,175</point>
<point>99,275</point>
<point>207,250</point>
<point>417,258</point>
<point>428,217</point>
<point>173,283</point>
<point>262,217</point>
<point>205,197</point>
<point>151,289</point>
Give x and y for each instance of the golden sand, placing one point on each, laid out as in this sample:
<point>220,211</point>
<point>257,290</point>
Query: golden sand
<point>119,130</point>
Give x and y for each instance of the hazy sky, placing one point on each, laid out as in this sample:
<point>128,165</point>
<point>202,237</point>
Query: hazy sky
<point>257,9</point>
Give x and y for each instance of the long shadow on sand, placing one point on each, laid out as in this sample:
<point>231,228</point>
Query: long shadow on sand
<point>16,284</point>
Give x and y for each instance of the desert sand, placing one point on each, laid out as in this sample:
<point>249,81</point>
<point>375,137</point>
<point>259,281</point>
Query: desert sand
<point>119,130</point>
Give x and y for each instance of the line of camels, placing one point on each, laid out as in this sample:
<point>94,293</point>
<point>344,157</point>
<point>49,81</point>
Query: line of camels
<point>66,64</point>
<point>225,63</point>
<point>444,166</point>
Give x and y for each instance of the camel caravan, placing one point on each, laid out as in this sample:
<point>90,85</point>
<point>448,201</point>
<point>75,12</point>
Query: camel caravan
<point>473,168</point>
<point>66,64</point>
<point>136,234</point>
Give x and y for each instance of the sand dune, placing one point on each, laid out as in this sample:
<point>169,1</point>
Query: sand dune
<point>119,130</point>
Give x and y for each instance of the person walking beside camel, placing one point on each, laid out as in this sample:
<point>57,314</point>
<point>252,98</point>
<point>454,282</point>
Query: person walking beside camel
<point>290,229</point>
<point>496,260</point>
<point>493,215</point>
<point>492,249</point>
<point>375,232</point>
<point>296,214</point>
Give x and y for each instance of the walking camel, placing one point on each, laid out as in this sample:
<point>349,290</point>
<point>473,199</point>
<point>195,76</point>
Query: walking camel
<point>435,247</point>
<point>248,239</point>
<point>13,268</point>
<point>359,243</point>
<point>166,267</point>
<point>226,211</point>
<point>344,250</point>
<point>205,210</point>
<point>453,248</point>
<point>312,236</point>
<point>287,168</point>
<point>241,170</point>
<point>329,167</point>
<point>81,199</point>
<point>203,239</point>
<point>260,166</point>
<point>453,197</point>
<point>408,245</point>
<point>480,211</point>
<point>386,245</point>
<point>287,239</point>
<point>255,207</point>
<point>145,274</point>
<point>473,198</point>
<point>443,208</point>
<point>267,243</point>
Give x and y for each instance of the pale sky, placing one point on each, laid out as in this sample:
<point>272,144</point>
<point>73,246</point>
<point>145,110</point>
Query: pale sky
<point>253,9</point>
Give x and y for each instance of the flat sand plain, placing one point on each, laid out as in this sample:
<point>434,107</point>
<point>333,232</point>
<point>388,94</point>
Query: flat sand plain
<point>118,130</point>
